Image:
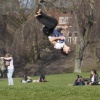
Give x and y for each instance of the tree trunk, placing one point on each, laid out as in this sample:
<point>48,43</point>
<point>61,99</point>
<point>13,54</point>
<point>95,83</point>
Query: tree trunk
<point>79,48</point>
<point>78,59</point>
<point>4,18</point>
<point>78,66</point>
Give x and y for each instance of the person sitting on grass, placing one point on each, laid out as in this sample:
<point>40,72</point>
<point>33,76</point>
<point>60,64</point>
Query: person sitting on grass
<point>94,78</point>
<point>78,82</point>
<point>54,35</point>
<point>43,78</point>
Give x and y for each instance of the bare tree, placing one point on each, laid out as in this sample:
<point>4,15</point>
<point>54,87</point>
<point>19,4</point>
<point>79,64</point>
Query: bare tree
<point>22,34</point>
<point>83,13</point>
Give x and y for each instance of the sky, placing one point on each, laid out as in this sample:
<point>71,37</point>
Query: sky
<point>27,3</point>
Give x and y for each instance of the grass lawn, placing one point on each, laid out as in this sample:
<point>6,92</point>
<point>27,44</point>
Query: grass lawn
<point>55,89</point>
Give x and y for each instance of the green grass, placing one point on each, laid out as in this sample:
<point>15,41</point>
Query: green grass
<point>55,89</point>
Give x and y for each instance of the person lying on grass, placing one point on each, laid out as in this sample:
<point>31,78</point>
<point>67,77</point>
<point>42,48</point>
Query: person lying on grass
<point>26,79</point>
<point>42,78</point>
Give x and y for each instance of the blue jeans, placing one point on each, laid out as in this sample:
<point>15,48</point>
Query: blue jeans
<point>9,75</point>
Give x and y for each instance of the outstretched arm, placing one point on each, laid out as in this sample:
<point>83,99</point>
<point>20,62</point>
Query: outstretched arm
<point>9,58</point>
<point>53,39</point>
<point>62,28</point>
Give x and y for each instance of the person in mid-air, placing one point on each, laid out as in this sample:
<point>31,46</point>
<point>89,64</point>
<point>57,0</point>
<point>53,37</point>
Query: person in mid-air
<point>55,36</point>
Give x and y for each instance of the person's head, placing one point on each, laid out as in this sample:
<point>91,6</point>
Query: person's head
<point>93,72</point>
<point>8,55</point>
<point>66,49</point>
<point>63,53</point>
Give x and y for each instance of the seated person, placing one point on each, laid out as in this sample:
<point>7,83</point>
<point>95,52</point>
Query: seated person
<point>26,79</point>
<point>79,81</point>
<point>42,78</point>
<point>94,78</point>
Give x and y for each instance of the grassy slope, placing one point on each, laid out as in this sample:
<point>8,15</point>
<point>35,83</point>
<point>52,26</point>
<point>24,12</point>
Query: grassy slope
<point>56,89</point>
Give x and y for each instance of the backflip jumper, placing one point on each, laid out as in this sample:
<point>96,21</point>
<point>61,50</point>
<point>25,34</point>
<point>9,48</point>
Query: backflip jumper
<point>54,35</point>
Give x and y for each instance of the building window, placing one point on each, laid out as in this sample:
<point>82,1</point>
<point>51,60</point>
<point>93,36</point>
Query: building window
<point>70,38</point>
<point>75,39</point>
<point>63,20</point>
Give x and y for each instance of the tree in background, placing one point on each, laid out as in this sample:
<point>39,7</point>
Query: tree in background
<point>84,12</point>
<point>23,35</point>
